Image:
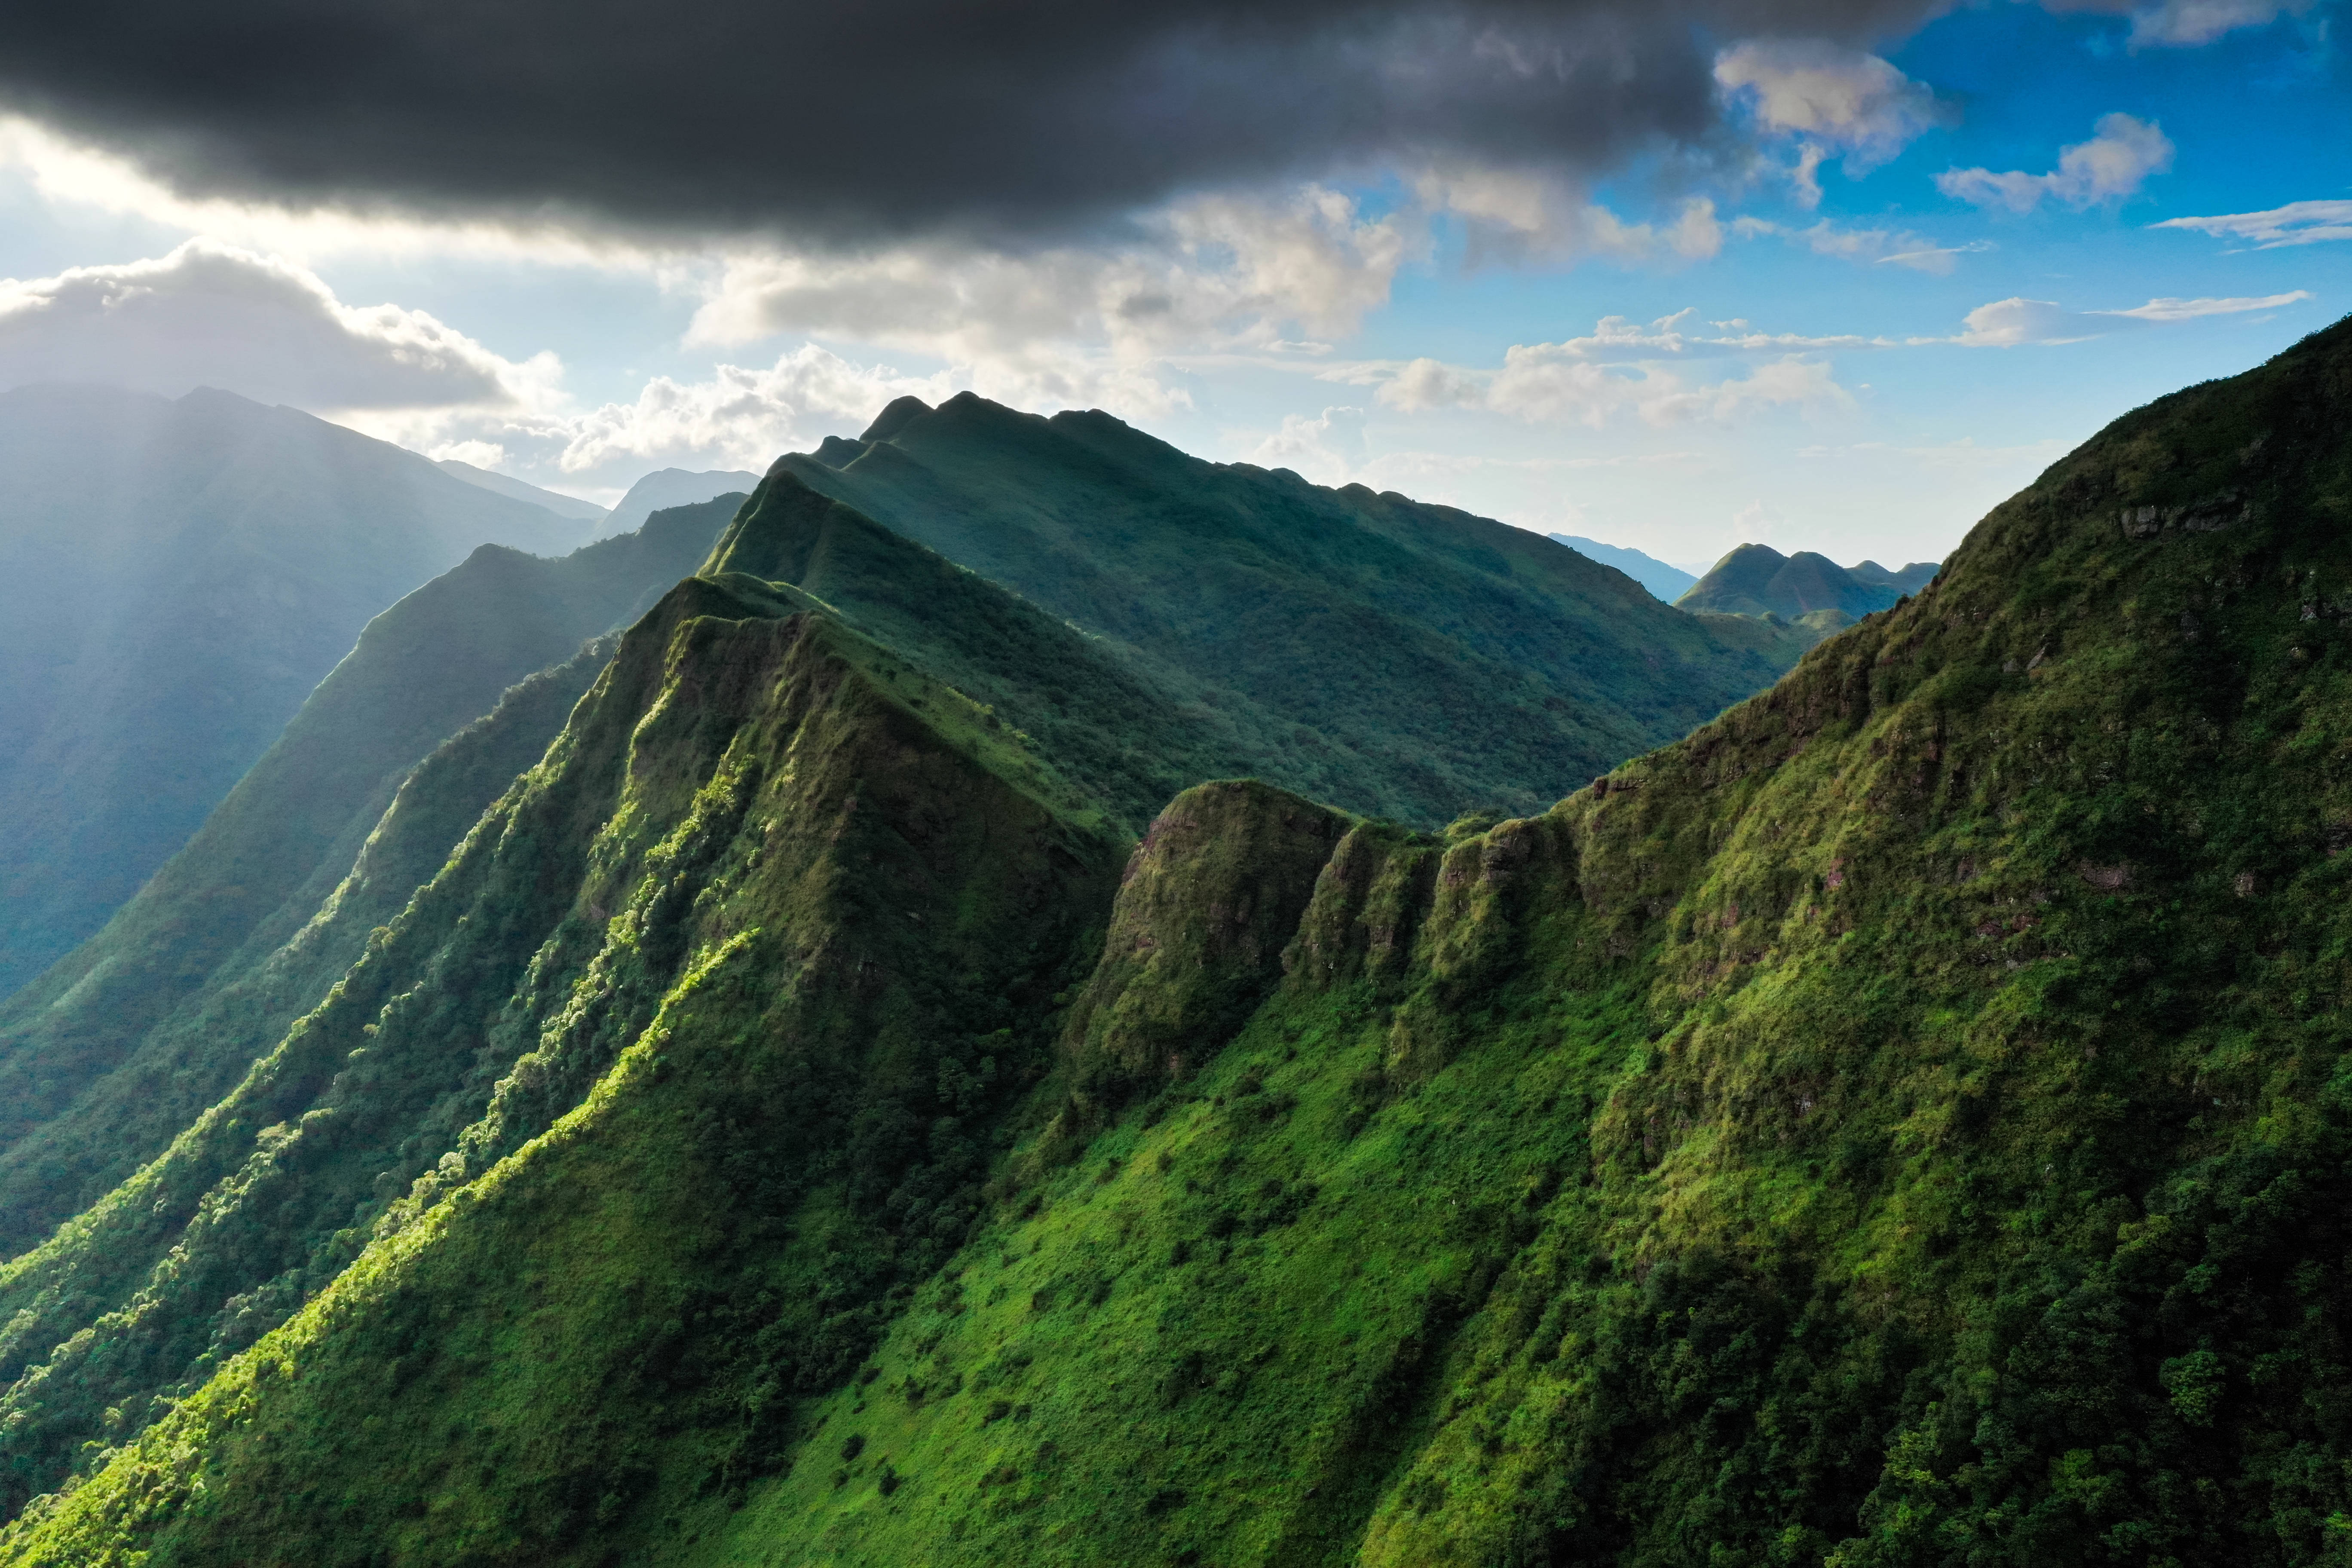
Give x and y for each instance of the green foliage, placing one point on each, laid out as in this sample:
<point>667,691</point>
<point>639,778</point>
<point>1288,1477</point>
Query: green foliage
<point>1808,588</point>
<point>776,926</point>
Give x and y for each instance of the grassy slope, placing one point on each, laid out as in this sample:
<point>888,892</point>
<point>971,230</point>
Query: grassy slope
<point>1390,657</point>
<point>123,1042</point>
<point>838,902</point>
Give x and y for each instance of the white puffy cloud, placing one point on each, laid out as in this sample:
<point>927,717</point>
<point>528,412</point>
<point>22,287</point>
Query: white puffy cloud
<point>738,416</point>
<point>1326,450</point>
<point>2014,322</point>
<point>211,315</point>
<point>1522,217</point>
<point>2297,223</point>
<point>2112,165</point>
<point>1211,272</point>
<point>1834,101</point>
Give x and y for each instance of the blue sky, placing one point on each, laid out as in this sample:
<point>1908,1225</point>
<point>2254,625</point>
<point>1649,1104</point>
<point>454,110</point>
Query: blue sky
<point>1902,284</point>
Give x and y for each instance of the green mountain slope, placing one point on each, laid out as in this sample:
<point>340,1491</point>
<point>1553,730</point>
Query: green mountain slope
<point>71,1295</point>
<point>125,1040</point>
<point>175,577</point>
<point>1383,655</point>
<point>758,825</point>
<point>1902,1122</point>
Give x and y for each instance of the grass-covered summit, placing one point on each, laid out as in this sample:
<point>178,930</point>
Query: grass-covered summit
<point>1377,652</point>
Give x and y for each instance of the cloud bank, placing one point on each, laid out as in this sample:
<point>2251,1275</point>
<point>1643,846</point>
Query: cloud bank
<point>837,121</point>
<point>209,314</point>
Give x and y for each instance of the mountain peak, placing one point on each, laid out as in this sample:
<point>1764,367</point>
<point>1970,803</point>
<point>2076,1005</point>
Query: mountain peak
<point>895,416</point>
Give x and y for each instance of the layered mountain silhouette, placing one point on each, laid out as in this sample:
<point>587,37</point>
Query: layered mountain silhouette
<point>556,501</point>
<point>174,577</point>
<point>1757,580</point>
<point>673,487</point>
<point>1900,1122</point>
<point>1664,582</point>
<point>118,1045</point>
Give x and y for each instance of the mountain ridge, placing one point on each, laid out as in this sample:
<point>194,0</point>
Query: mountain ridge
<point>1900,1121</point>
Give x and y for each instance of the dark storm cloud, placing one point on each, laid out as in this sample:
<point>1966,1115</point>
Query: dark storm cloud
<point>851,118</point>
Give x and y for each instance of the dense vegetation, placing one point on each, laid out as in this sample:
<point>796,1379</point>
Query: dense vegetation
<point>123,1042</point>
<point>1383,655</point>
<point>174,578</point>
<point>1906,1122</point>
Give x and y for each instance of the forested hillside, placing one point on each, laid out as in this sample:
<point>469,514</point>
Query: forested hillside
<point>175,577</point>
<point>1902,1121</point>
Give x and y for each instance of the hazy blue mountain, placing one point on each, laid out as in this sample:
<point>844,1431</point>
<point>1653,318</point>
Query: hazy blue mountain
<point>174,578</point>
<point>556,501</point>
<point>1668,582</point>
<point>106,1053</point>
<point>673,487</point>
<point>1756,580</point>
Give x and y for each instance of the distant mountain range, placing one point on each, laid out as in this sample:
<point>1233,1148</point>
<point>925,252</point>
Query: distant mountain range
<point>672,487</point>
<point>1389,655</point>
<point>1756,580</point>
<point>175,577</point>
<point>1667,581</point>
<point>556,501</point>
<point>449,693</point>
